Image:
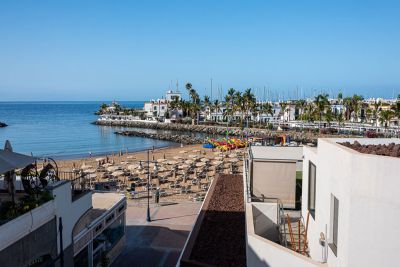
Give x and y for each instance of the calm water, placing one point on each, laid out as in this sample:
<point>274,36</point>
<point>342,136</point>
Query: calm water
<point>64,130</point>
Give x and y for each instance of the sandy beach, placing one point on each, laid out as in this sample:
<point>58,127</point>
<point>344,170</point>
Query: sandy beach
<point>183,173</point>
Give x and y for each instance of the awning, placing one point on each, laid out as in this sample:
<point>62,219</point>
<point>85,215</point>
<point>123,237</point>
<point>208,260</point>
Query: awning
<point>10,160</point>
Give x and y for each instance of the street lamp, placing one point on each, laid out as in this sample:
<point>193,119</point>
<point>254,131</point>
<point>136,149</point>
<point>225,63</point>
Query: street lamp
<point>148,219</point>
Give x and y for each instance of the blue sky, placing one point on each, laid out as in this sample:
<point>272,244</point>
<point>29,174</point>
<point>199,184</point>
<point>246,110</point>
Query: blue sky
<point>131,50</point>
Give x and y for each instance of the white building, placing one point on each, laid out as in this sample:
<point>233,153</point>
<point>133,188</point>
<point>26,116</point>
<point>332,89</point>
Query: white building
<point>349,208</point>
<point>157,109</point>
<point>92,224</point>
<point>173,96</point>
<point>354,204</point>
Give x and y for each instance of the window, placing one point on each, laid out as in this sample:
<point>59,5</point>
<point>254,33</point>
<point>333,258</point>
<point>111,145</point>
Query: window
<point>312,170</point>
<point>334,223</point>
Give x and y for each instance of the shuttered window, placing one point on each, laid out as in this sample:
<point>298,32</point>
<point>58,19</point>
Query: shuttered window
<point>312,171</point>
<point>334,223</point>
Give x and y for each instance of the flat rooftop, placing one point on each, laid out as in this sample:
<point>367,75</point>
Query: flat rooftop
<point>277,152</point>
<point>101,203</point>
<point>105,201</point>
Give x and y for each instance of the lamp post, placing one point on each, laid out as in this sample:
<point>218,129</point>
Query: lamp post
<point>148,219</point>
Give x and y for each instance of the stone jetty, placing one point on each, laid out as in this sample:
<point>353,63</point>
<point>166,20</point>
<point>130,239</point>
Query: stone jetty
<point>184,139</point>
<point>302,136</point>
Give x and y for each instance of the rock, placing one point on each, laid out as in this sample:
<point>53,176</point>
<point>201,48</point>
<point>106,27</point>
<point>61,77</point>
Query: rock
<point>298,135</point>
<point>2,124</point>
<point>184,139</point>
<point>391,150</point>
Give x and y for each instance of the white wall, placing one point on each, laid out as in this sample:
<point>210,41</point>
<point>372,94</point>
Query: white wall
<point>16,229</point>
<point>367,188</point>
<point>68,210</point>
<point>263,252</point>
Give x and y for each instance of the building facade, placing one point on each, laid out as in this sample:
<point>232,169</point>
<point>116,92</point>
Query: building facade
<point>353,202</point>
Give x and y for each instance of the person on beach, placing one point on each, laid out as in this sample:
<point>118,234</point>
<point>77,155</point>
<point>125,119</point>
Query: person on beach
<point>157,195</point>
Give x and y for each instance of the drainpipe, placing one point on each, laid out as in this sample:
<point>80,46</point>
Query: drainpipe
<point>60,229</point>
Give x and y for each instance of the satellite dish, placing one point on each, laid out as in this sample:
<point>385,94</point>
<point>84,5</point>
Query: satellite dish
<point>7,146</point>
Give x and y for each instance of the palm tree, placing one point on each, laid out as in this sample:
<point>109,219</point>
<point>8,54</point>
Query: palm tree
<point>356,101</point>
<point>385,116</point>
<point>207,105</point>
<point>185,106</point>
<point>265,108</point>
<point>195,102</point>
<point>348,103</point>
<point>396,109</point>
<point>340,119</point>
<point>329,116</point>
<point>377,105</point>
<point>229,104</point>
<point>301,104</point>
<point>321,101</point>
<point>249,101</point>
<point>216,106</point>
<point>283,106</point>
<point>340,98</point>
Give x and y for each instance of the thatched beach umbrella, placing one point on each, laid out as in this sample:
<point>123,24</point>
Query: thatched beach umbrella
<point>85,167</point>
<point>183,166</point>
<point>200,164</point>
<point>89,171</point>
<point>112,168</point>
<point>117,173</point>
<point>133,167</point>
<point>189,161</point>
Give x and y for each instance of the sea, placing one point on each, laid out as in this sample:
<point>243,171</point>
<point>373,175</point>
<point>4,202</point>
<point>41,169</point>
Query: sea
<point>63,130</point>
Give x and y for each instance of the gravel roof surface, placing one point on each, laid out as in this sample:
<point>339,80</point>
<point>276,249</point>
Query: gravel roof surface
<point>221,237</point>
<point>391,150</point>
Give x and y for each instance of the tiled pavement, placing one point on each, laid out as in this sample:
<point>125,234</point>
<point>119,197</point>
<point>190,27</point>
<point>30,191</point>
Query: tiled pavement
<point>159,242</point>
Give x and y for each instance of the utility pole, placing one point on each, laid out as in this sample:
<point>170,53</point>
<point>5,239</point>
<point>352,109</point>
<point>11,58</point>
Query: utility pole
<point>211,90</point>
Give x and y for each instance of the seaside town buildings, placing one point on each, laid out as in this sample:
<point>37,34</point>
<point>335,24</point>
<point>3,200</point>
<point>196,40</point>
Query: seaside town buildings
<point>288,114</point>
<point>74,226</point>
<point>160,109</point>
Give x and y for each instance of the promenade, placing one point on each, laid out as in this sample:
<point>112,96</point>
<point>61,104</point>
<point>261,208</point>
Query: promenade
<point>159,242</point>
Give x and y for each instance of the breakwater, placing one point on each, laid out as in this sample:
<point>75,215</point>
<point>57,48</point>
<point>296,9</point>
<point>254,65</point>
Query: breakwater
<point>2,124</point>
<point>302,136</point>
<point>184,139</point>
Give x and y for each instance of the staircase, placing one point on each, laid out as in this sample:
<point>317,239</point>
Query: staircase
<point>295,236</point>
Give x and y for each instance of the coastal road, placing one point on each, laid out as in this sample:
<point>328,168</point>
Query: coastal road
<point>159,242</point>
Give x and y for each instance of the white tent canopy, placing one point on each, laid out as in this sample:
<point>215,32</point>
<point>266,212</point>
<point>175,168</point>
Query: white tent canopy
<point>10,160</point>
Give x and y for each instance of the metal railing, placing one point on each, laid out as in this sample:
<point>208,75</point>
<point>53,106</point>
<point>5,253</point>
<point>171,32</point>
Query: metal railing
<point>280,216</point>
